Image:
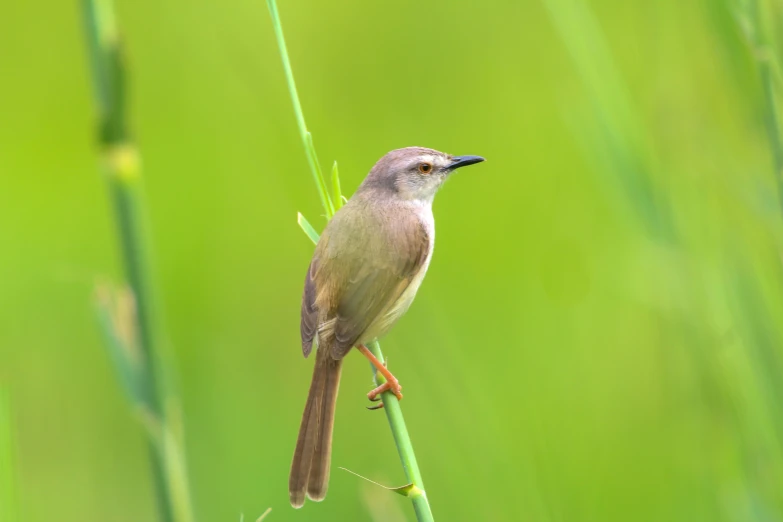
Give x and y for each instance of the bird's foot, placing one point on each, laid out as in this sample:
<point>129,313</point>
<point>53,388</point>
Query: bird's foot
<point>391,384</point>
<point>378,406</point>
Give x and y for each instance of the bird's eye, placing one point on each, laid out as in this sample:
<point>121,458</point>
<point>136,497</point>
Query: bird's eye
<point>425,168</point>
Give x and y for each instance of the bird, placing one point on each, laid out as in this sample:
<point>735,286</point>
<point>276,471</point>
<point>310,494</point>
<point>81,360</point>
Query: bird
<point>364,274</point>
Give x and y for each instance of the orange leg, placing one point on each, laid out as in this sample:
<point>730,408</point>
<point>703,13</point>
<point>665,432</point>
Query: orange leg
<point>391,384</point>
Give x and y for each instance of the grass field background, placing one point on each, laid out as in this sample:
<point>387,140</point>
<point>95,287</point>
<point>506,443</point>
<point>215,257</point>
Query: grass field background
<point>599,335</point>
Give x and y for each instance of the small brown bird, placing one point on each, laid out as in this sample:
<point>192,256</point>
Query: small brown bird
<point>364,274</point>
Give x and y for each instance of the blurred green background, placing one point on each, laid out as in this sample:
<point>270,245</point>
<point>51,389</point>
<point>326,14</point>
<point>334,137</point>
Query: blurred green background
<point>599,335</point>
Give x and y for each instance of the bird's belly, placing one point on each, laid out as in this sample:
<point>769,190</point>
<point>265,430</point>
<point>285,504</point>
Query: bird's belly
<point>389,317</point>
<point>400,306</point>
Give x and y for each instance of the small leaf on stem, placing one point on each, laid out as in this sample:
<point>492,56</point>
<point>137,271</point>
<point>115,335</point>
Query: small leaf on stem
<point>338,195</point>
<point>307,228</point>
<point>408,490</point>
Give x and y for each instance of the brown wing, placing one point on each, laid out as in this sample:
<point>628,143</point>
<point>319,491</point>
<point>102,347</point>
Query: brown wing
<point>362,265</point>
<point>309,312</point>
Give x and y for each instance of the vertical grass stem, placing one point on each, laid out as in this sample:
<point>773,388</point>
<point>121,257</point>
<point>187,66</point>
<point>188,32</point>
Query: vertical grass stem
<point>307,138</point>
<point>149,376</point>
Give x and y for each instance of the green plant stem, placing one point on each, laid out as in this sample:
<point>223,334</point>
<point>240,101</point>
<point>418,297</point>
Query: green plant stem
<point>392,407</point>
<point>122,170</point>
<point>404,445</point>
<point>307,138</point>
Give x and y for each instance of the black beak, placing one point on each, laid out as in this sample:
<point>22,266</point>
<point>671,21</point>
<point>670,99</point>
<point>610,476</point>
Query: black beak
<point>464,161</point>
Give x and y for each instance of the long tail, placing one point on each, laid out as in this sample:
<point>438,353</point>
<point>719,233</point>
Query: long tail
<point>313,454</point>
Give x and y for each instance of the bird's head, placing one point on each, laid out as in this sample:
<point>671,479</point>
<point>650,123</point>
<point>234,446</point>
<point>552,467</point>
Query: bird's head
<point>415,173</point>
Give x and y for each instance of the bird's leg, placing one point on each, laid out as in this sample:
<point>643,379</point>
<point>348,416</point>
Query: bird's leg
<point>391,384</point>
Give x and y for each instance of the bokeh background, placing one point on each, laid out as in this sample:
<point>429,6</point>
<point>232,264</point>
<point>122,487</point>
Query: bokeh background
<point>599,336</point>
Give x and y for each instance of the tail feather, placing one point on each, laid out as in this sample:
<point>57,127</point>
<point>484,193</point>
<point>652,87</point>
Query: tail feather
<point>313,454</point>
